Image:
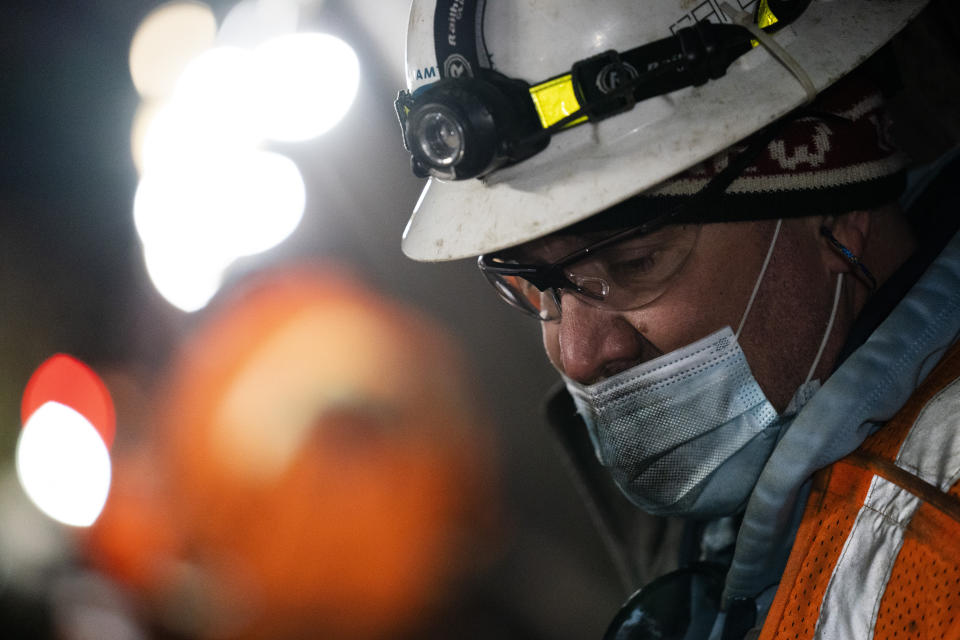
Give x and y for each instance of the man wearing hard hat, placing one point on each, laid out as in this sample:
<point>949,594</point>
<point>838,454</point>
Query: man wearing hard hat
<point>754,315</point>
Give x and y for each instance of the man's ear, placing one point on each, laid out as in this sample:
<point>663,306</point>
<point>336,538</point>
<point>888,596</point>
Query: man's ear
<point>850,230</point>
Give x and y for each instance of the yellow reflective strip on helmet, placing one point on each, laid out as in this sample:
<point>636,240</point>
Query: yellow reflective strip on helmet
<point>765,16</point>
<point>555,100</point>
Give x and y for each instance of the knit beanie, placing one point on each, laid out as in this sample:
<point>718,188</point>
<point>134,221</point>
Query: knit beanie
<point>833,156</point>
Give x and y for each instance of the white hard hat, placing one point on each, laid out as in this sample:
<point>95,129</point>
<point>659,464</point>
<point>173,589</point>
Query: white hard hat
<point>588,168</point>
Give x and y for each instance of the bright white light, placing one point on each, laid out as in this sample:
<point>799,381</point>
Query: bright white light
<point>232,206</point>
<point>208,195</point>
<point>306,83</point>
<point>179,132</point>
<point>219,77</point>
<point>195,218</point>
<point>250,22</point>
<point>187,281</point>
<point>211,111</point>
<point>177,206</point>
<point>63,465</point>
<point>267,199</point>
<point>177,214</point>
<point>167,39</point>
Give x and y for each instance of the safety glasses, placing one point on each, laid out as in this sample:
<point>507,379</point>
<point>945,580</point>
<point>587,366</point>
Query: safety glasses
<point>625,270</point>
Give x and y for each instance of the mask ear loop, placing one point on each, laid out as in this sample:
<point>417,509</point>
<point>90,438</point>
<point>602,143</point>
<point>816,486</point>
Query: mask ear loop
<point>763,270</point>
<point>826,334</point>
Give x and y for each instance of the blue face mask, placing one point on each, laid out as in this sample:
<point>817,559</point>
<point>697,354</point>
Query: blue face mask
<point>689,432</point>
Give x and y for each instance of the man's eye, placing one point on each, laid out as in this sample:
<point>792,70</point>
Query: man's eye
<point>637,265</point>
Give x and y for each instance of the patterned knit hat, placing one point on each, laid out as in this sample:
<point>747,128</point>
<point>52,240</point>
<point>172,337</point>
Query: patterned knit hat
<point>834,156</point>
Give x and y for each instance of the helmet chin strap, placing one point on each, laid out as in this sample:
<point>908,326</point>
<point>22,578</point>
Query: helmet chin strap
<point>756,287</point>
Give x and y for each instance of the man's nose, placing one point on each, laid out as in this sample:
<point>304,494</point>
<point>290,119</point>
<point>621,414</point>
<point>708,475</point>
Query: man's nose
<point>593,343</point>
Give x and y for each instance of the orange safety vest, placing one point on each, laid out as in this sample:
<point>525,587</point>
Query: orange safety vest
<point>877,554</point>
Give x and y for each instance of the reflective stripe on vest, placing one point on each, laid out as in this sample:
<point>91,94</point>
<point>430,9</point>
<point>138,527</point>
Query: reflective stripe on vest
<point>872,557</point>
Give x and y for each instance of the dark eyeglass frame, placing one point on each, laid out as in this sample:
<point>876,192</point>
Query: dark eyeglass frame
<point>552,276</point>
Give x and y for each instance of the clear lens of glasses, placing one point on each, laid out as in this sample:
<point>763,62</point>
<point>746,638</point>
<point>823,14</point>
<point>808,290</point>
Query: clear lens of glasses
<point>624,275</point>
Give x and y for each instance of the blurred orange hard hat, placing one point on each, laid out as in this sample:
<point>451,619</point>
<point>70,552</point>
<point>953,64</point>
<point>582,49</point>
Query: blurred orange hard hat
<point>324,469</point>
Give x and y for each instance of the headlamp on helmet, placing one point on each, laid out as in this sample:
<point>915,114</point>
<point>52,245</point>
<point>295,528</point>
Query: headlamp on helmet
<point>466,127</point>
<point>463,128</point>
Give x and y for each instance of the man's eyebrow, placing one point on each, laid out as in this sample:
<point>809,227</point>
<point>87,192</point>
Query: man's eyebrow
<point>561,243</point>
